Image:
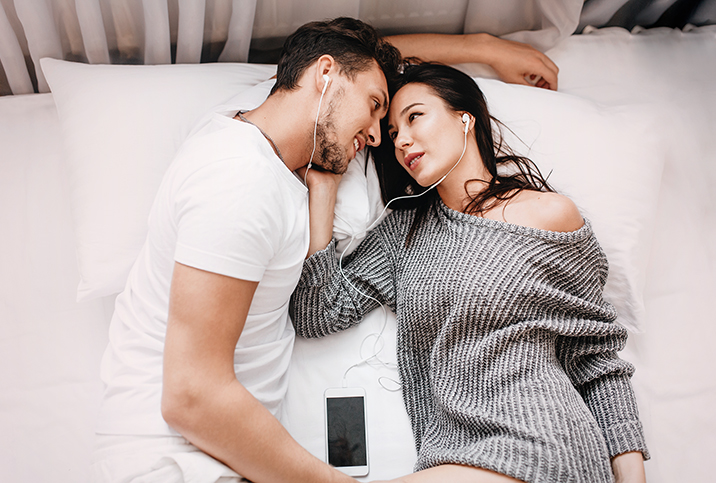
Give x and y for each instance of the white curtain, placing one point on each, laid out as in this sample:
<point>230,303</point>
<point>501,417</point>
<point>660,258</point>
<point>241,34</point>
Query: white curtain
<point>540,22</point>
<point>117,31</point>
<point>190,31</point>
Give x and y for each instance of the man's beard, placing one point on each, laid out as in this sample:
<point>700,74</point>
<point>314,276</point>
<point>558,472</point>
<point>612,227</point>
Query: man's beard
<point>331,155</point>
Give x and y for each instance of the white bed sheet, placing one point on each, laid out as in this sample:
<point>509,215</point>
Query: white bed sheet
<point>674,382</point>
<point>50,345</point>
<point>676,366</point>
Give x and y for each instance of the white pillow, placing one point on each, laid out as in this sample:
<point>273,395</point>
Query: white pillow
<point>608,160</point>
<point>358,204</point>
<point>122,126</point>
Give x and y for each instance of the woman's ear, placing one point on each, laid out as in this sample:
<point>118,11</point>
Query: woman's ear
<point>466,120</point>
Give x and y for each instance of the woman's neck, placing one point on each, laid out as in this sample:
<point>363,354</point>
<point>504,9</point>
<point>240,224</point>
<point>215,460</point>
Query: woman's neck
<point>452,189</point>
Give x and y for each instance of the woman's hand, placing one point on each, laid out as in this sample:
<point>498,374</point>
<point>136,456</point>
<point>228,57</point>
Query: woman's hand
<point>629,468</point>
<point>322,191</point>
<point>319,179</point>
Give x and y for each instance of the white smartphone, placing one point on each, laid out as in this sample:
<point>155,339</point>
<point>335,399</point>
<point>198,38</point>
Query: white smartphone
<point>346,430</point>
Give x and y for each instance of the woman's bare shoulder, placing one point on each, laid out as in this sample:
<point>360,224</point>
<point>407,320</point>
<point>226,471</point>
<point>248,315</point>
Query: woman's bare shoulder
<point>544,211</point>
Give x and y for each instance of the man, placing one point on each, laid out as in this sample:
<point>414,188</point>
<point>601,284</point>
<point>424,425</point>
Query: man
<point>200,340</point>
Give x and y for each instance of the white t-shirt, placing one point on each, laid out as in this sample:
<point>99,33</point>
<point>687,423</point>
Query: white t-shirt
<point>227,205</point>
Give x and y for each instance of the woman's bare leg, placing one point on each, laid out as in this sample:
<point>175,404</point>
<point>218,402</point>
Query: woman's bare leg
<point>454,474</point>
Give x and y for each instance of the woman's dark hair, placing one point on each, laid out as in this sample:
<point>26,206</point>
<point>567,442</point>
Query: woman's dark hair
<point>510,173</point>
<point>352,43</point>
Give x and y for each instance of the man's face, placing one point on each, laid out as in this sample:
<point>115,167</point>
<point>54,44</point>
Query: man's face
<point>351,118</point>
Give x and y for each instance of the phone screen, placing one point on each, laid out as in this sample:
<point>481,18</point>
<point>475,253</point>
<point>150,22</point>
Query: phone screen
<point>345,417</point>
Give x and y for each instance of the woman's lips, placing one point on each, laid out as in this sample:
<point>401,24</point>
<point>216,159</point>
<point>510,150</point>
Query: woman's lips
<point>412,160</point>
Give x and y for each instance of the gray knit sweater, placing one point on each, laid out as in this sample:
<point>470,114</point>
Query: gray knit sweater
<point>506,349</point>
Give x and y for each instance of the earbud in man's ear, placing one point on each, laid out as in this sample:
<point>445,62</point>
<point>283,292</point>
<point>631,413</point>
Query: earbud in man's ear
<point>466,121</point>
<point>326,80</point>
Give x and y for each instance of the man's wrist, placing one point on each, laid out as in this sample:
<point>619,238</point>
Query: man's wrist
<point>485,46</point>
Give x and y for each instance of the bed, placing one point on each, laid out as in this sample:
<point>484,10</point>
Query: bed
<point>630,136</point>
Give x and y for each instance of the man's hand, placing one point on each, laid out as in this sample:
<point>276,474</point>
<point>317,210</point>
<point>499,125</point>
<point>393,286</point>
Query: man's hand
<point>513,62</point>
<point>520,63</point>
<point>629,468</point>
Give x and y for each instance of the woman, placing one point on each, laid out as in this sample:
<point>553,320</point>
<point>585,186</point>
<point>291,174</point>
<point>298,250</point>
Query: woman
<point>506,349</point>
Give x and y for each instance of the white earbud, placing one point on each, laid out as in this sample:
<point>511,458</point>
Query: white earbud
<point>326,80</point>
<point>466,121</point>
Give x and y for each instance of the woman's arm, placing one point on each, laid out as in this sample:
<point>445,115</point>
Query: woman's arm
<point>322,192</point>
<point>589,356</point>
<point>603,380</point>
<point>629,468</point>
<point>514,62</point>
<point>330,298</point>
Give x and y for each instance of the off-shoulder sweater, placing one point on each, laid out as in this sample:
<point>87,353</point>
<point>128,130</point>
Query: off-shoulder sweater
<point>507,352</point>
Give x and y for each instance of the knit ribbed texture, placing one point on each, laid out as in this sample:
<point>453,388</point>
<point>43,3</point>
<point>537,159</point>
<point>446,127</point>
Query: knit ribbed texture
<point>506,349</point>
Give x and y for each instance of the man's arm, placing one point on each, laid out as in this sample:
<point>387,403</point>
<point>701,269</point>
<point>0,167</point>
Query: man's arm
<point>203,400</point>
<point>514,62</point>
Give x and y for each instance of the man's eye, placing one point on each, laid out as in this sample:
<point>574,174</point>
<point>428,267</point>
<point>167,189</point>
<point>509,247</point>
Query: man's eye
<point>392,135</point>
<point>376,104</point>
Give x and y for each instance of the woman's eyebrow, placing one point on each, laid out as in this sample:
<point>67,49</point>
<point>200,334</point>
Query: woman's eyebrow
<point>408,107</point>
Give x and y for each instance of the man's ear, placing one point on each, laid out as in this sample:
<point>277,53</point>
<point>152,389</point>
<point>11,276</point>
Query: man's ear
<point>326,70</point>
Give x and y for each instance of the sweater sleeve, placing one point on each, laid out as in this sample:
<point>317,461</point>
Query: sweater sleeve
<point>329,298</point>
<point>603,381</point>
<point>590,359</point>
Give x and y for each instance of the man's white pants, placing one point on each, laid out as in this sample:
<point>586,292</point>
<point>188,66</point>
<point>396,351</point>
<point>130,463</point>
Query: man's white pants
<point>155,459</point>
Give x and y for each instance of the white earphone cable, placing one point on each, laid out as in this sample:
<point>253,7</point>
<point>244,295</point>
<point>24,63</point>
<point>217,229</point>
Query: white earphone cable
<point>315,126</point>
<point>379,335</point>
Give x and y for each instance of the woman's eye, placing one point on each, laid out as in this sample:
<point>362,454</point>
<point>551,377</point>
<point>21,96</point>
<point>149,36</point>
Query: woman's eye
<point>412,116</point>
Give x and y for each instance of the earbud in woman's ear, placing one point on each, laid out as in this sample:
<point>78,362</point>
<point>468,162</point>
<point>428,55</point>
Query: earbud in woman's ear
<point>466,121</point>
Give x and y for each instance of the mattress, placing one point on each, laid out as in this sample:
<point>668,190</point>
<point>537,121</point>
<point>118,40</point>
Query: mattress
<point>51,345</point>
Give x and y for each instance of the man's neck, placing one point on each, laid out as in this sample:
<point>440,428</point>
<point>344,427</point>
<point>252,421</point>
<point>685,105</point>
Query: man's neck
<point>283,117</point>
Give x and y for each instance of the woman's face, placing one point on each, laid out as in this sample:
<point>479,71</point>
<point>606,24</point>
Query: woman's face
<point>428,135</point>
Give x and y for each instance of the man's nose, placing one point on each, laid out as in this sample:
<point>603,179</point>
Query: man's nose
<point>373,134</point>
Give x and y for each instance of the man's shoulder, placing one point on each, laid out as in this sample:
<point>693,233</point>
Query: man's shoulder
<point>230,149</point>
<point>223,136</point>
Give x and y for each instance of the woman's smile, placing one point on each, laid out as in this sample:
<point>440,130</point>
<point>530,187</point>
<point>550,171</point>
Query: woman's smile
<point>413,159</point>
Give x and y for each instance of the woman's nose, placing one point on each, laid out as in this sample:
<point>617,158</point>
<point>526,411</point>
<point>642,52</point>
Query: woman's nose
<point>402,141</point>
